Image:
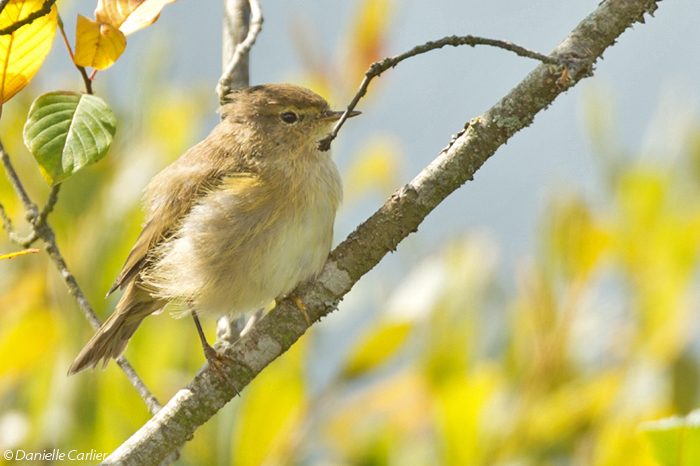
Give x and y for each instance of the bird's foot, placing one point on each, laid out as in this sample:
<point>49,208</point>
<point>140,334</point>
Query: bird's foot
<point>216,362</point>
<point>302,307</point>
<point>213,357</point>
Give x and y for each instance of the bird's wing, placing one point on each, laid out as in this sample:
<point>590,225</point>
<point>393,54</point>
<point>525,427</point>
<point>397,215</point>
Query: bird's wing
<point>134,263</point>
<point>169,197</point>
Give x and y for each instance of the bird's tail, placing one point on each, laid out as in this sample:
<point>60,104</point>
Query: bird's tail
<point>111,339</point>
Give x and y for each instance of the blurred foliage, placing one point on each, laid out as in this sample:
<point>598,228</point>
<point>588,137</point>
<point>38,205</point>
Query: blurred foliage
<point>456,368</point>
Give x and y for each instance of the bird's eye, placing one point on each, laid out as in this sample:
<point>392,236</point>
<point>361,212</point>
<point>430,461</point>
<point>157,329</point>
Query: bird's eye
<point>289,117</point>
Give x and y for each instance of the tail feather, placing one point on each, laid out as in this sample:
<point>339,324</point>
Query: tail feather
<point>110,341</point>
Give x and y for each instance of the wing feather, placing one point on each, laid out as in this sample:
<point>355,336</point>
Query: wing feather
<point>171,195</point>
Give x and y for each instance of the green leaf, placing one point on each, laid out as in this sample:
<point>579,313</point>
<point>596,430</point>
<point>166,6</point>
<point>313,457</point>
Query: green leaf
<point>66,131</point>
<point>674,441</point>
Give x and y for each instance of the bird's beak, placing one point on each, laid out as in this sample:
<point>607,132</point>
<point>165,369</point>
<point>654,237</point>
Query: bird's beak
<point>330,115</point>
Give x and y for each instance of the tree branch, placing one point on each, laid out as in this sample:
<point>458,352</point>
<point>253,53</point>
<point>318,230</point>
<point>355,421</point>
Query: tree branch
<point>43,11</point>
<point>381,233</point>
<point>376,69</point>
<point>241,18</point>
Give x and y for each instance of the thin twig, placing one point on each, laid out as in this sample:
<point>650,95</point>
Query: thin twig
<point>146,395</point>
<point>43,11</point>
<point>32,212</point>
<point>236,24</point>
<point>41,229</point>
<point>47,234</point>
<point>225,84</point>
<point>6,221</point>
<point>83,73</point>
<point>25,242</point>
<point>377,68</point>
<point>48,207</point>
<point>7,225</point>
<point>29,206</point>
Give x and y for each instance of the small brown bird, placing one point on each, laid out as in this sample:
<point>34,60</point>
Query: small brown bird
<point>237,221</point>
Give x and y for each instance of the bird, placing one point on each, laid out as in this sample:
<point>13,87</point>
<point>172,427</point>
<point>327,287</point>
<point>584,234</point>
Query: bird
<point>237,221</point>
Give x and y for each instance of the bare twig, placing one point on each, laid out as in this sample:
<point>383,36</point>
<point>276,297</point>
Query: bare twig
<point>29,206</point>
<point>236,22</point>
<point>25,242</point>
<point>43,11</point>
<point>48,206</point>
<point>83,73</point>
<point>376,69</point>
<point>36,222</point>
<point>6,221</point>
<point>381,233</point>
<point>146,395</point>
<point>41,229</point>
<point>235,73</point>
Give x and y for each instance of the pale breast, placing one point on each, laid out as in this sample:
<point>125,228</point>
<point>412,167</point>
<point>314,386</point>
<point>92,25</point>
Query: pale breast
<point>246,244</point>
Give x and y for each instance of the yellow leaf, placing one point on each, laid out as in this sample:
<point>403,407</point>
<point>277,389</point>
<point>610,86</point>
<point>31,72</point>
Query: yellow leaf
<point>129,15</point>
<point>382,342</point>
<point>97,45</point>
<point>23,51</point>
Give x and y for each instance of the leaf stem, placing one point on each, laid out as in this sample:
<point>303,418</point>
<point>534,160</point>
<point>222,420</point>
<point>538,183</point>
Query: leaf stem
<point>86,79</point>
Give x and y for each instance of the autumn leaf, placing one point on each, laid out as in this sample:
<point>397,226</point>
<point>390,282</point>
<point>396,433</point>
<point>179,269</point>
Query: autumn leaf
<point>129,15</point>
<point>97,45</point>
<point>23,51</point>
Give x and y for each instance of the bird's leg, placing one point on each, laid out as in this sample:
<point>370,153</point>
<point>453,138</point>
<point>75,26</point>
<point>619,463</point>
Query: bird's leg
<point>212,356</point>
